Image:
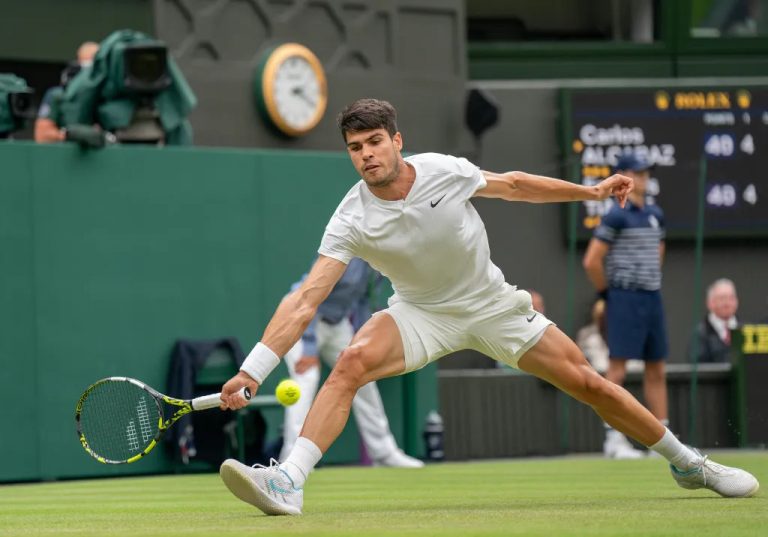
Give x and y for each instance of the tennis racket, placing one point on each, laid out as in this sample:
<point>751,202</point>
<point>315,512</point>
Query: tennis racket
<point>120,420</point>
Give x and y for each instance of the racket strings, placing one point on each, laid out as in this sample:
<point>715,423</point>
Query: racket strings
<point>119,420</point>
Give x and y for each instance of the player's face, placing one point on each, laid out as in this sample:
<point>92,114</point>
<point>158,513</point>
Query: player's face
<point>375,155</point>
<point>723,301</point>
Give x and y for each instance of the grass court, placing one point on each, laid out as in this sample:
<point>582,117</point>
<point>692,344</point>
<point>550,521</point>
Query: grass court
<point>580,495</point>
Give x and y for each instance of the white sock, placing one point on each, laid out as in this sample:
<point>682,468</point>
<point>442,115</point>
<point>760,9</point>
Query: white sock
<point>677,453</point>
<point>302,459</point>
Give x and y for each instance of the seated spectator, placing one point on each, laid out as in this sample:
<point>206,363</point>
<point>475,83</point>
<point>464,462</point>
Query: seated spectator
<point>711,340</point>
<point>48,123</point>
<point>591,338</point>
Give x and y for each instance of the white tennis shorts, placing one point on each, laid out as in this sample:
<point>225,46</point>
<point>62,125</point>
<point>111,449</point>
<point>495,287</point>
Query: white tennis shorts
<point>504,329</point>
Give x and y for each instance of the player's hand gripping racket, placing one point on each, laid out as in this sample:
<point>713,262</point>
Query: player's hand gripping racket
<point>119,419</point>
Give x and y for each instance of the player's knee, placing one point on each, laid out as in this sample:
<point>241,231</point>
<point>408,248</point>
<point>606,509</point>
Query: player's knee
<point>350,370</point>
<point>596,390</point>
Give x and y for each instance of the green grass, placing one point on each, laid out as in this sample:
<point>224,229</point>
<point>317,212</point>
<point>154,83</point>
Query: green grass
<point>547,497</point>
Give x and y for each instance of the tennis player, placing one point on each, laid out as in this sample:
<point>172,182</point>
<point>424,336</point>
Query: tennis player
<point>412,220</point>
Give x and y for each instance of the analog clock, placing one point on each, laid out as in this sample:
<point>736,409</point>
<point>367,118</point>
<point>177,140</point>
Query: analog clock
<point>291,90</point>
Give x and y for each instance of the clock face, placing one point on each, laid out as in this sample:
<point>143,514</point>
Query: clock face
<point>297,92</point>
<point>294,89</point>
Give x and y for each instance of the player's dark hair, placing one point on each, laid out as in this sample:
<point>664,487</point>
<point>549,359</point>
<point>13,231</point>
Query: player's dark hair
<point>367,114</point>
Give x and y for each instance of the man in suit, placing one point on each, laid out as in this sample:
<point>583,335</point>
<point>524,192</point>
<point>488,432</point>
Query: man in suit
<point>711,340</point>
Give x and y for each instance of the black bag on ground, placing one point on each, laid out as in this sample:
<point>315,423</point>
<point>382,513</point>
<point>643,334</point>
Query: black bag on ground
<point>200,368</point>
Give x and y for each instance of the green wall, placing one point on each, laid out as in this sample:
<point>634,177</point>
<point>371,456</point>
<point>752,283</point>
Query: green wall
<point>107,257</point>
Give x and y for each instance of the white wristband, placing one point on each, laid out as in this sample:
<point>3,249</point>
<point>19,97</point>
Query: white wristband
<point>260,362</point>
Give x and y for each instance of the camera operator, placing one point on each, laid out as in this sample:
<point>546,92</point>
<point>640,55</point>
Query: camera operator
<point>133,94</point>
<point>48,123</point>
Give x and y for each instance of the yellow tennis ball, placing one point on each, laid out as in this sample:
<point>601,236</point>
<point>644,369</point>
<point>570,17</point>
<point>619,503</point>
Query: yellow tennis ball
<point>287,392</point>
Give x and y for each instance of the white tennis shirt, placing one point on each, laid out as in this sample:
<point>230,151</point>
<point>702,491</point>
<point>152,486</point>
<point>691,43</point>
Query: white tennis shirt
<point>432,245</point>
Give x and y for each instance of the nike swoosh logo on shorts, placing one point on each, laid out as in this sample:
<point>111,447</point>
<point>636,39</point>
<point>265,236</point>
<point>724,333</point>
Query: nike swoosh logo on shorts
<point>433,204</point>
<point>531,318</point>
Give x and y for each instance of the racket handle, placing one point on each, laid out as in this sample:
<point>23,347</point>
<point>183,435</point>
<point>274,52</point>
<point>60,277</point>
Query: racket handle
<point>214,400</point>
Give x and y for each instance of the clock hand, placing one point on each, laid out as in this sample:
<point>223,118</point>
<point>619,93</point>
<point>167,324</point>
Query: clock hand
<point>299,91</point>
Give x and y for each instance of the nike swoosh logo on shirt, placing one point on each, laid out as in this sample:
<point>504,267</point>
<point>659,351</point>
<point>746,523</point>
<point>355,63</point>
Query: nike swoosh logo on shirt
<point>433,204</point>
<point>531,318</point>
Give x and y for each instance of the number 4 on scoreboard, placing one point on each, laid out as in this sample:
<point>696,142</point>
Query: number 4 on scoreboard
<point>750,194</point>
<point>747,144</point>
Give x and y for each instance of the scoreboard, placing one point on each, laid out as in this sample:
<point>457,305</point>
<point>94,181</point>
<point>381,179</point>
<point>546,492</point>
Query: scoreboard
<point>674,128</point>
<point>751,368</point>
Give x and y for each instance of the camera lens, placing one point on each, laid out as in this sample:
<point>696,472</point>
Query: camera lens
<point>146,68</point>
<point>21,104</point>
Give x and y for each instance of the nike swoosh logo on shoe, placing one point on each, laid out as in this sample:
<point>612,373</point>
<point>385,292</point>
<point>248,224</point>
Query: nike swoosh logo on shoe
<point>278,488</point>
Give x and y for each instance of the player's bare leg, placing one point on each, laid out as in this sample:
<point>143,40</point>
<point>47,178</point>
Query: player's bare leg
<point>557,359</point>
<point>375,352</point>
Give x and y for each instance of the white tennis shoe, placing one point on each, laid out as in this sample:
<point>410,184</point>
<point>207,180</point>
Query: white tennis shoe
<point>268,488</point>
<point>726,481</point>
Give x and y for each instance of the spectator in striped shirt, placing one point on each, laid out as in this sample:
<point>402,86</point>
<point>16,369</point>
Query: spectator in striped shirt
<point>623,261</point>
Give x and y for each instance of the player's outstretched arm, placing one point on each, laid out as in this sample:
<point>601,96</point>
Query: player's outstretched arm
<point>286,327</point>
<point>297,310</point>
<point>522,186</point>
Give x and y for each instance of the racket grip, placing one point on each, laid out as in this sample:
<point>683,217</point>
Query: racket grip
<point>211,401</point>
